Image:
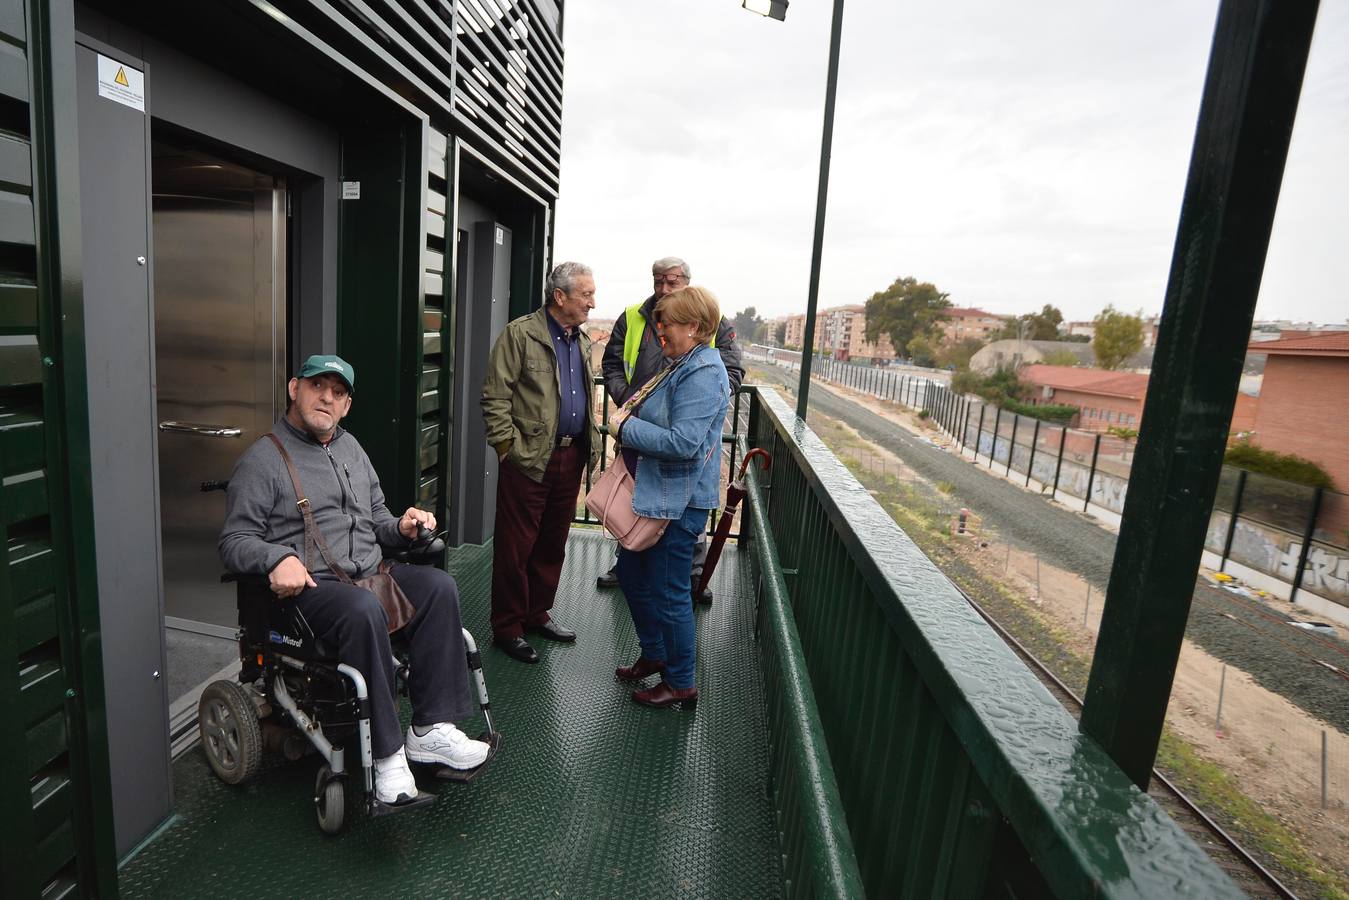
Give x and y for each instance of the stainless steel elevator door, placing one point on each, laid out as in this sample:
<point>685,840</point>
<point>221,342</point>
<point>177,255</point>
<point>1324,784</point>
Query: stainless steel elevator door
<point>219,282</point>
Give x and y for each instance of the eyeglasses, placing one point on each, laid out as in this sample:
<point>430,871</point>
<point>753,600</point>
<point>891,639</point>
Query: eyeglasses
<point>671,280</point>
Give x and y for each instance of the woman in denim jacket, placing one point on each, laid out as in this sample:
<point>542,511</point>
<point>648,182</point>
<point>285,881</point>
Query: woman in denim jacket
<point>674,441</point>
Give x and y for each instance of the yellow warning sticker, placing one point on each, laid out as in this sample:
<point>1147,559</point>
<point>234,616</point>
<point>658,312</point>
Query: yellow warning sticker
<point>121,83</point>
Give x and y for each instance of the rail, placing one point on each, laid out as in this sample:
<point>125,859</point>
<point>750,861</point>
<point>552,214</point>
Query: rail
<point>956,770</point>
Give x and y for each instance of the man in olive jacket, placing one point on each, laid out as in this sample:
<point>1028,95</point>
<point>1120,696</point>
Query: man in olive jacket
<point>536,402</point>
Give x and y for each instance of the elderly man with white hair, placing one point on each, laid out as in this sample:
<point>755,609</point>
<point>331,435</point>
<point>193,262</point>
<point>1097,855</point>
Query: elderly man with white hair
<point>536,402</point>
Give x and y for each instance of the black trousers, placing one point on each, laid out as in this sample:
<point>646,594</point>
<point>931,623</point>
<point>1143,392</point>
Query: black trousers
<point>351,619</point>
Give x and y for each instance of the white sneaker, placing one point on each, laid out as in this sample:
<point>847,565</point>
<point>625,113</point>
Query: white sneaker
<point>445,745</point>
<point>393,779</point>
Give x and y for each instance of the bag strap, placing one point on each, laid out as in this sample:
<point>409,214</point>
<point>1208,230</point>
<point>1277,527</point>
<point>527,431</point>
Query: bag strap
<point>312,535</point>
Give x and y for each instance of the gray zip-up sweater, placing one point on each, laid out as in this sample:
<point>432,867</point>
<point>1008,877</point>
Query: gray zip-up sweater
<point>263,525</point>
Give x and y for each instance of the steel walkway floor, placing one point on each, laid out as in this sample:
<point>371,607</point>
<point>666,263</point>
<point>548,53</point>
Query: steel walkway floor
<point>591,795</point>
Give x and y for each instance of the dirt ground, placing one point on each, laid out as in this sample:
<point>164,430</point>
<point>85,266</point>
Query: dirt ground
<point>1270,746</point>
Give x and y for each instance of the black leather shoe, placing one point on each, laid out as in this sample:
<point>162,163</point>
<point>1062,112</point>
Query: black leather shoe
<point>518,648</point>
<point>608,580</point>
<point>551,631</point>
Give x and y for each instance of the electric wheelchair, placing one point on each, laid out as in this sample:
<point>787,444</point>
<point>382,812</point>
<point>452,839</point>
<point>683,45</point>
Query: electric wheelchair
<point>294,696</point>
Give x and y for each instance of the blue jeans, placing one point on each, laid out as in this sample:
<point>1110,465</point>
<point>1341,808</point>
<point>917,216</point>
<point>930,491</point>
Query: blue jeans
<point>658,589</point>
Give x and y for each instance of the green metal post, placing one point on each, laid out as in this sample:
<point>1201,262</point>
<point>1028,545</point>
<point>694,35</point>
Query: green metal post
<point>1232,519</point>
<point>1307,533</point>
<point>821,201</point>
<point>1030,464</point>
<point>1058,463</point>
<point>993,448</point>
<point>1241,143</point>
<point>1091,473</point>
<point>979,430</point>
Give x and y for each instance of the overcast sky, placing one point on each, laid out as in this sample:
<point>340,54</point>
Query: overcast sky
<point>1012,154</point>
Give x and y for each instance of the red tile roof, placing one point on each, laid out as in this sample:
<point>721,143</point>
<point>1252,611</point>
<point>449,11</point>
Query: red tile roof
<point>1326,343</point>
<point>1089,381</point>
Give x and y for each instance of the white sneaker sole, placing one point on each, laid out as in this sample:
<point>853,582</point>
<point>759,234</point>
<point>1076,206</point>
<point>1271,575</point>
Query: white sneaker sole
<point>435,759</point>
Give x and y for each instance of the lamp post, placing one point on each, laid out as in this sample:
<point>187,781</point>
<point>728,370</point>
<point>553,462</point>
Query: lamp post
<point>775,9</point>
<point>778,10</point>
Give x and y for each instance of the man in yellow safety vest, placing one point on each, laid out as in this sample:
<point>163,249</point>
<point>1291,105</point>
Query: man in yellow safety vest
<point>633,355</point>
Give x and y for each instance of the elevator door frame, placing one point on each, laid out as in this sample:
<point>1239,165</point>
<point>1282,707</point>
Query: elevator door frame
<point>266,373</point>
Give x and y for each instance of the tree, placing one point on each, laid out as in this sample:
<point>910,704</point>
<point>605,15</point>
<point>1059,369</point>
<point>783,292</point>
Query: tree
<point>1041,326</point>
<point>1118,337</point>
<point>780,333</point>
<point>958,355</point>
<point>747,324</point>
<point>905,310</point>
<point>921,351</point>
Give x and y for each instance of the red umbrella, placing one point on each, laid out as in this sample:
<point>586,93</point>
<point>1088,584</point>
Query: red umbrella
<point>735,492</point>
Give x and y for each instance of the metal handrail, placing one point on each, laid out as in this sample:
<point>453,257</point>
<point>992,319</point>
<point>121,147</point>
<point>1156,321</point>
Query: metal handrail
<point>806,795</point>
<point>958,769</point>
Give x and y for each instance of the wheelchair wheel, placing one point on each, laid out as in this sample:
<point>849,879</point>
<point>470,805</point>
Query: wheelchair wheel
<point>230,734</point>
<point>329,801</point>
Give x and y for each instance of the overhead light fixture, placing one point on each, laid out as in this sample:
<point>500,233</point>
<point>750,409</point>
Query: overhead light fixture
<point>774,9</point>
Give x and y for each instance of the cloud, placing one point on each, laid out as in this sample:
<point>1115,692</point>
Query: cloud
<point>1013,155</point>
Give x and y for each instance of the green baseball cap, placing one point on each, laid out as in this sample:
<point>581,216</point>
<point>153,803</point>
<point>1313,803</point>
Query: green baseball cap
<point>320,363</point>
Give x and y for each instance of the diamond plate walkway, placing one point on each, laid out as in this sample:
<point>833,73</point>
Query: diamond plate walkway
<point>591,795</point>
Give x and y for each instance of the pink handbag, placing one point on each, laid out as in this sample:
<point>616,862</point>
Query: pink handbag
<point>610,501</point>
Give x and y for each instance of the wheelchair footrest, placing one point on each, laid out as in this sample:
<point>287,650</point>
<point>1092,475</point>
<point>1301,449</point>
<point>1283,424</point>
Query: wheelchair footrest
<point>378,808</point>
<point>464,776</point>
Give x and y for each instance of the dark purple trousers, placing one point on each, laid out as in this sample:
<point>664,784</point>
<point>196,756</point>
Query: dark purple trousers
<point>530,539</point>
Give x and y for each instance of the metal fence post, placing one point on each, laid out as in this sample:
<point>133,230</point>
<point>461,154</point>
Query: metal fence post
<point>1232,519</point>
<point>1058,464</point>
<point>1306,542</point>
<point>979,430</point>
<point>1011,445</point>
<point>1091,476</point>
<point>1030,464</point>
<point>993,448</point>
<point>964,421</point>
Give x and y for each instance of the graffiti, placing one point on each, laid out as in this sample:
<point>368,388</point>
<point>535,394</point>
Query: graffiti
<point>1109,492</point>
<point>1275,553</point>
<point>1326,573</point>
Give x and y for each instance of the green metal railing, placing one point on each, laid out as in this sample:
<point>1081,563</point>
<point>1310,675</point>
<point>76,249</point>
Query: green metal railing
<point>955,770</point>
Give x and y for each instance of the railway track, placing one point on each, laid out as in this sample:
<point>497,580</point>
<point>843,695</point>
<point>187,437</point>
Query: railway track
<point>1231,857</point>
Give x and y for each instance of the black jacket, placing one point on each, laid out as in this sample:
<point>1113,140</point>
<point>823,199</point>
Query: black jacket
<point>650,359</point>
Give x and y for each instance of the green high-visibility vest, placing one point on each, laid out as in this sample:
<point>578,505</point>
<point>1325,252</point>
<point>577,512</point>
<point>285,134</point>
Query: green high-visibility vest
<point>632,341</point>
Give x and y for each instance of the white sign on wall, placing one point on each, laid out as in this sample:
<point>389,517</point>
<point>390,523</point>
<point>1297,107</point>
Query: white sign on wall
<point>121,83</point>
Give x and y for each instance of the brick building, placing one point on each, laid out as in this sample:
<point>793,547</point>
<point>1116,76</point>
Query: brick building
<point>959,323</point>
<point>1107,399</point>
<point>841,330</point>
<point>844,334</point>
<point>1298,410</point>
<point>1104,399</point>
<point>796,331</point>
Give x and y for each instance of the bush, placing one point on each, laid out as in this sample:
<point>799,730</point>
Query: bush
<point>1058,413</point>
<point>1245,455</point>
<point>923,414</point>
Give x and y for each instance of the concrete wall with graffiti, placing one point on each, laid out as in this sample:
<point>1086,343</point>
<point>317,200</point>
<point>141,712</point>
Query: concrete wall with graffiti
<point>1275,552</point>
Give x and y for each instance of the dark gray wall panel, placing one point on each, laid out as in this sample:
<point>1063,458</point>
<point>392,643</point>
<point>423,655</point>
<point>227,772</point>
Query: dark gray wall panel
<point>119,350</point>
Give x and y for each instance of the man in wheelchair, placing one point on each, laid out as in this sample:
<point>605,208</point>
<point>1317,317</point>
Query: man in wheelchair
<point>264,534</point>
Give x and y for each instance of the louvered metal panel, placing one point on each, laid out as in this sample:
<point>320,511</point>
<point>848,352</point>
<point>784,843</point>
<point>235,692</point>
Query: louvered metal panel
<point>58,840</point>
